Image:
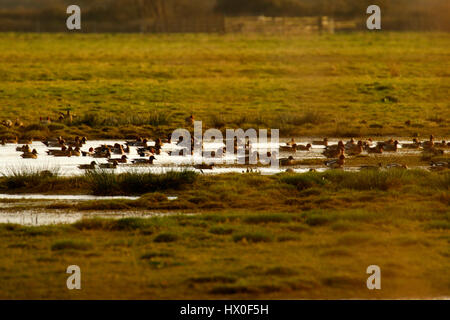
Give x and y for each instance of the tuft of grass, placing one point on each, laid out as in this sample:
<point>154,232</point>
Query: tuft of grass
<point>267,218</point>
<point>252,237</point>
<point>219,230</point>
<point>107,183</point>
<point>166,237</point>
<point>70,245</point>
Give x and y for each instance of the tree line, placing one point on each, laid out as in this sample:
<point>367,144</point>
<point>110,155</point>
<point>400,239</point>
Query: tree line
<point>24,14</point>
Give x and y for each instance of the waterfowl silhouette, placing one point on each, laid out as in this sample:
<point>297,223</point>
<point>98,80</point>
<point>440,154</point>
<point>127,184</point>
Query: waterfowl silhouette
<point>391,147</point>
<point>90,166</point>
<point>123,159</point>
<point>303,148</point>
<point>112,165</point>
<point>144,161</point>
<point>414,145</point>
<point>370,167</point>
<point>428,144</point>
<point>337,163</point>
<point>204,166</point>
<point>30,155</point>
<point>24,148</point>
<point>377,149</point>
<point>323,142</point>
<point>355,149</point>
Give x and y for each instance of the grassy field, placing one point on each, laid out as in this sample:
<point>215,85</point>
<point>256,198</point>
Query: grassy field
<point>125,85</point>
<point>314,241</point>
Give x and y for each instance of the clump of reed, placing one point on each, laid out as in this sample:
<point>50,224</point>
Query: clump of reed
<point>27,177</point>
<point>103,182</point>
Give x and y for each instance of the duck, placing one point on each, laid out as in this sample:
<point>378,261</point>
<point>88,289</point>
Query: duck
<point>414,145</point>
<point>88,153</point>
<point>144,161</point>
<point>337,163</point>
<point>90,166</point>
<point>24,148</point>
<point>355,149</point>
<point>349,144</point>
<point>7,123</point>
<point>291,142</point>
<point>251,158</point>
<point>334,152</point>
<point>76,152</point>
<point>289,148</point>
<point>323,142</point>
<point>303,148</point>
<point>190,120</point>
<point>396,166</point>
<point>102,154</point>
<point>112,165</point>
<point>428,144</point>
<point>18,123</point>
<point>45,121</point>
<point>58,142</point>
<point>287,161</point>
<point>434,151</point>
<point>391,147</point>
<point>377,149</point>
<point>439,166</point>
<point>204,166</point>
<point>30,155</point>
<point>9,140</point>
<point>123,159</point>
<point>370,167</point>
<point>442,144</point>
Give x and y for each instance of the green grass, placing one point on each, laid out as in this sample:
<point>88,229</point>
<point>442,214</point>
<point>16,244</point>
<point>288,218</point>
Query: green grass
<point>358,84</point>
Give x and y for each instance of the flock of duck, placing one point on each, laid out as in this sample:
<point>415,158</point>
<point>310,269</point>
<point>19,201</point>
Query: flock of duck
<point>341,151</point>
<point>336,154</point>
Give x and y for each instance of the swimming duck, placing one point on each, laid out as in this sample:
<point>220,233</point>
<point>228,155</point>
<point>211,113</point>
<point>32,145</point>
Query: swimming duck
<point>287,161</point>
<point>369,167</point>
<point>356,149</point>
<point>88,153</point>
<point>112,165</point>
<point>144,161</point>
<point>204,166</point>
<point>58,142</point>
<point>428,144</point>
<point>90,166</point>
<point>439,166</point>
<point>9,140</point>
<point>337,163</point>
<point>391,147</point>
<point>123,159</point>
<point>291,142</point>
<point>396,166</point>
<point>30,155</point>
<point>414,145</point>
<point>303,148</point>
<point>251,158</point>
<point>442,144</point>
<point>289,148</point>
<point>24,148</point>
<point>76,152</point>
<point>323,142</point>
<point>334,152</point>
<point>377,149</point>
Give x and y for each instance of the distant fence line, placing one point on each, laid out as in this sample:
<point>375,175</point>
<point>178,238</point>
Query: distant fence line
<point>215,24</point>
